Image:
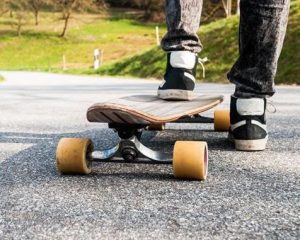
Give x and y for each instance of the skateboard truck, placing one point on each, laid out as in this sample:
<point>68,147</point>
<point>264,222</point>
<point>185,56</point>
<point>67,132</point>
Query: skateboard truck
<point>130,148</point>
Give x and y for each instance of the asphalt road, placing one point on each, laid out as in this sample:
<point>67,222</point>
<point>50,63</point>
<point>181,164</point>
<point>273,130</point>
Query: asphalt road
<point>246,196</point>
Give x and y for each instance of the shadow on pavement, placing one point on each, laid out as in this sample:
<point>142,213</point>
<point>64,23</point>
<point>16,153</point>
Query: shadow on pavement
<point>37,162</point>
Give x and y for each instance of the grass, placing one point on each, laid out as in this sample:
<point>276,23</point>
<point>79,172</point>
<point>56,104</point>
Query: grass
<point>152,62</point>
<point>129,46</point>
<point>40,48</point>
<point>220,46</point>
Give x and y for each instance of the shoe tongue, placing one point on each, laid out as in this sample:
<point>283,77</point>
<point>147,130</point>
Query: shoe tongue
<point>183,59</point>
<point>250,106</point>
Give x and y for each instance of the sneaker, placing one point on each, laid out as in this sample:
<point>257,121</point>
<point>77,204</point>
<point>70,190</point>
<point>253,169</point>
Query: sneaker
<point>180,77</point>
<point>248,128</point>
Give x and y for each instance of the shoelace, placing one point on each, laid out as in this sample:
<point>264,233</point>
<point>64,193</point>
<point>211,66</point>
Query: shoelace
<point>201,61</point>
<point>271,103</point>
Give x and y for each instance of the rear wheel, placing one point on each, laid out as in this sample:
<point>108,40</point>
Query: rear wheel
<point>190,160</point>
<point>72,155</point>
<point>221,120</point>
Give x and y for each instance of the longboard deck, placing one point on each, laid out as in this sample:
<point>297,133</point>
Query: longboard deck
<point>149,109</point>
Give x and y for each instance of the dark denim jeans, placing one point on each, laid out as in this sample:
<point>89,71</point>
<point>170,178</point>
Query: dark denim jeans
<point>261,33</point>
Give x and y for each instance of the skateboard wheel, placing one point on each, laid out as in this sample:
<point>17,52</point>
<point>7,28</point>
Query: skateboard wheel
<point>72,155</point>
<point>190,160</point>
<point>157,127</point>
<point>221,120</point>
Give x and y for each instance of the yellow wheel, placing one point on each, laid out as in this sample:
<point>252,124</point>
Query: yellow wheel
<point>71,155</point>
<point>221,120</point>
<point>157,127</point>
<point>190,160</point>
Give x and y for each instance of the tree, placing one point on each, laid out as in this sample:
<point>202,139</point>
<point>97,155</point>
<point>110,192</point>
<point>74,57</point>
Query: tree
<point>35,6</point>
<point>151,8</point>
<point>3,7</point>
<point>227,5</point>
<point>20,8</point>
<point>68,6</point>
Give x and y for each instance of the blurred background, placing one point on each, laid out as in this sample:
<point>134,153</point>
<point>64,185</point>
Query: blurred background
<point>121,37</point>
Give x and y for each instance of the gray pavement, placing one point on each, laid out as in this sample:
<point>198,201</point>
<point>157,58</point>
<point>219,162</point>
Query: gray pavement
<point>246,196</point>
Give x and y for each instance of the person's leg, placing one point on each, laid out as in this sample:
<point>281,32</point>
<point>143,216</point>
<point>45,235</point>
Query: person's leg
<point>182,45</point>
<point>262,30</point>
<point>183,20</point>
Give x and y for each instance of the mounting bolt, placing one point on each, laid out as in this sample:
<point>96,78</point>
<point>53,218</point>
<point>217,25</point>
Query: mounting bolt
<point>129,154</point>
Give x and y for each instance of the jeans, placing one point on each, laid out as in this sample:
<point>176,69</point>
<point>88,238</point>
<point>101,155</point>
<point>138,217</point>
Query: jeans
<point>262,29</point>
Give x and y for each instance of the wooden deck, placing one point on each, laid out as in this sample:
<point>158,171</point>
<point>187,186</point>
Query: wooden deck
<point>149,109</point>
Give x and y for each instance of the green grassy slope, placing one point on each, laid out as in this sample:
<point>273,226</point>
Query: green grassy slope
<point>40,47</point>
<point>220,46</point>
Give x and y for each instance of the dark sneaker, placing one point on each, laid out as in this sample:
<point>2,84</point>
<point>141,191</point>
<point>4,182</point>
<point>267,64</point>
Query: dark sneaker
<point>180,77</point>
<point>248,128</point>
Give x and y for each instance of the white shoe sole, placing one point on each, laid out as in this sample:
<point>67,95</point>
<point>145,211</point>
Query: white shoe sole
<point>176,94</point>
<point>251,145</point>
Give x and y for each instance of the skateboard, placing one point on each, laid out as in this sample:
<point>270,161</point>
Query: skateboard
<point>132,115</point>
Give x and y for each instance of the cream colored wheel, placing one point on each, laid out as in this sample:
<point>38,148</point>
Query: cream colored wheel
<point>190,160</point>
<point>71,155</point>
<point>221,120</point>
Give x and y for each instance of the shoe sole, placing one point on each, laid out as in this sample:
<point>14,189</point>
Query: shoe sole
<point>173,94</point>
<point>249,145</point>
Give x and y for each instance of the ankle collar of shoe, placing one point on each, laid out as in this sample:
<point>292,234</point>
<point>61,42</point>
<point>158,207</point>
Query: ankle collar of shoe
<point>249,106</point>
<point>183,59</point>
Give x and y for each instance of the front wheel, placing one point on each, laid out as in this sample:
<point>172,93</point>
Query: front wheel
<point>72,156</point>
<point>190,160</point>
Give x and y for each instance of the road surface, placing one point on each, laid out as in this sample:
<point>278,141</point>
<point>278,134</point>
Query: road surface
<point>246,196</point>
